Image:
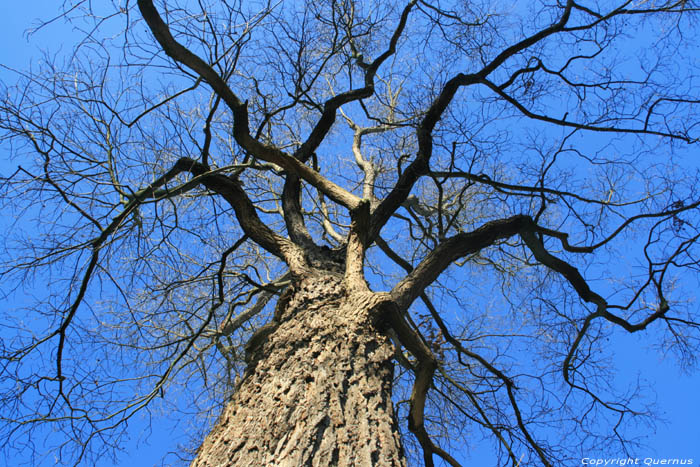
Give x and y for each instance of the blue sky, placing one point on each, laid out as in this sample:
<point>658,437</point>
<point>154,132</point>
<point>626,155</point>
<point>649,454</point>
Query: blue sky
<point>677,393</point>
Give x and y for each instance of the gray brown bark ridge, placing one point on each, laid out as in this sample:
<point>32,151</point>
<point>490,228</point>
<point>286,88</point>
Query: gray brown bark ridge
<point>317,390</point>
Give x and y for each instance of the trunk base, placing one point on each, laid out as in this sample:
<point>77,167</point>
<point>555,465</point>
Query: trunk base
<point>317,391</point>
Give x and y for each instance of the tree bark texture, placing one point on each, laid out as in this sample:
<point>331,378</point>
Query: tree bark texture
<point>317,391</point>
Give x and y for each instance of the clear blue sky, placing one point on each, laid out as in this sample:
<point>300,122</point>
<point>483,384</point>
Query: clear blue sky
<point>678,394</point>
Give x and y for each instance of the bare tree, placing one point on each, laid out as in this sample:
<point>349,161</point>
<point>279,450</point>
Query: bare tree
<point>348,233</point>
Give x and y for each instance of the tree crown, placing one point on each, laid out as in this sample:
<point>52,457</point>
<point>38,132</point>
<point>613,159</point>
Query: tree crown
<point>514,179</point>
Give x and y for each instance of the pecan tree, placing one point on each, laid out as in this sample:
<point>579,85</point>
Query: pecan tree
<point>345,232</point>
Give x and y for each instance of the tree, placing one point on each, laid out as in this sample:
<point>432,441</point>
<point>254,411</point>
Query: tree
<point>356,230</point>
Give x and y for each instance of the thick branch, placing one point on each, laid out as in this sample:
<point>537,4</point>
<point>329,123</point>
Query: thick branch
<point>370,172</point>
<point>424,371</point>
<point>508,383</point>
<point>406,291</point>
<point>421,164</point>
<point>562,267</point>
<point>241,131</point>
<point>574,277</point>
<point>293,218</point>
<point>247,216</point>
<point>356,247</point>
<point>181,54</point>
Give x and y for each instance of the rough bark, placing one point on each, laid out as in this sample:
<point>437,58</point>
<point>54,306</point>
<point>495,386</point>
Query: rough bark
<point>317,390</point>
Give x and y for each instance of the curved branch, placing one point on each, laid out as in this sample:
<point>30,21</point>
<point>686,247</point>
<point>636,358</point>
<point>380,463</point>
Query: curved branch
<point>527,42</point>
<point>508,382</point>
<point>408,289</point>
<point>241,130</point>
<point>96,245</point>
<point>424,371</point>
<point>181,54</point>
<point>420,165</point>
<point>565,269</point>
<point>574,277</point>
<point>231,190</point>
<point>331,106</point>
<point>581,126</point>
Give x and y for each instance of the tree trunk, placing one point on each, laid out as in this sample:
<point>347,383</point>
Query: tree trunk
<point>317,391</point>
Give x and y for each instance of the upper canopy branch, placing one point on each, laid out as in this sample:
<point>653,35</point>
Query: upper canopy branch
<point>679,6</point>
<point>529,41</point>
<point>181,54</point>
<point>420,165</point>
<point>584,126</point>
<point>331,106</point>
<point>568,271</point>
<point>241,130</point>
